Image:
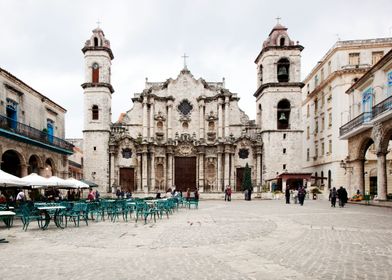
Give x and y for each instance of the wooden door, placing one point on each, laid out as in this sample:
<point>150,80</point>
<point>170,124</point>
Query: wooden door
<point>185,173</point>
<point>127,179</point>
<point>239,179</point>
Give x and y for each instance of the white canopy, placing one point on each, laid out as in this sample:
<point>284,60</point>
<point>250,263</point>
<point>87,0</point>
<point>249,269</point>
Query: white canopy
<point>36,181</point>
<point>77,183</point>
<point>58,182</point>
<point>8,180</point>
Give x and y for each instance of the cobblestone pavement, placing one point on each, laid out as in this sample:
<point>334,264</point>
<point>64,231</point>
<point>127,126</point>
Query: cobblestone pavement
<point>221,240</point>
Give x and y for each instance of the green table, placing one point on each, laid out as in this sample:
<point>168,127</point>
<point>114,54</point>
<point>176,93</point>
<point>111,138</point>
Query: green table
<point>7,217</point>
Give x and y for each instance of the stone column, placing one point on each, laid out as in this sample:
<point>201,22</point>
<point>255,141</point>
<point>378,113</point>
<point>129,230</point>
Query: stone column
<point>355,173</point>
<point>201,172</point>
<point>227,117</point>
<point>220,118</point>
<point>139,183</point>
<point>219,171</point>
<point>112,173</point>
<point>258,167</point>
<point>381,176</point>
<point>201,119</point>
<point>232,171</point>
<point>145,118</point>
<point>169,119</point>
<point>152,178</point>
<point>227,167</point>
<point>152,111</point>
<point>24,170</point>
<point>144,172</point>
<point>169,169</point>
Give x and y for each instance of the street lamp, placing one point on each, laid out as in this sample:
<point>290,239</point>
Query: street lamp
<point>344,165</point>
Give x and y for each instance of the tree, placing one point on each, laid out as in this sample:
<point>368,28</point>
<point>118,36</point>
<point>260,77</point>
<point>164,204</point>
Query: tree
<point>247,181</point>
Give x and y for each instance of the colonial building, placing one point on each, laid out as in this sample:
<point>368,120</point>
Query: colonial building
<point>75,161</point>
<point>31,131</point>
<point>190,133</point>
<point>326,106</point>
<point>369,163</point>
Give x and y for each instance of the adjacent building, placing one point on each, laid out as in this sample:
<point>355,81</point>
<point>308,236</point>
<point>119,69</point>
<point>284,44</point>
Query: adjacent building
<point>31,131</point>
<point>369,131</point>
<point>326,106</point>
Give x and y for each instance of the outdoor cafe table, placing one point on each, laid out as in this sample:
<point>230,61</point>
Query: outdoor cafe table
<point>7,217</point>
<point>55,210</point>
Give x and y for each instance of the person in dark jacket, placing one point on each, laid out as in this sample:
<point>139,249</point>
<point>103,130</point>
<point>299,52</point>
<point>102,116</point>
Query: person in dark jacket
<point>333,194</point>
<point>301,195</point>
<point>287,195</point>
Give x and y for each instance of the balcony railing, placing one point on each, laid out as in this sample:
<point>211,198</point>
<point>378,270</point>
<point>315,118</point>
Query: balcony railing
<point>361,119</point>
<point>383,106</point>
<point>33,133</point>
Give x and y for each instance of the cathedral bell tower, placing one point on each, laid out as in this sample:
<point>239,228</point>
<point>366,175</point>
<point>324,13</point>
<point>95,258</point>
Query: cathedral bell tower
<point>97,108</point>
<point>278,103</point>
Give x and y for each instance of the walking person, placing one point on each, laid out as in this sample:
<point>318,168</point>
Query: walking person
<point>301,195</point>
<point>228,193</point>
<point>333,194</point>
<point>295,196</point>
<point>340,196</point>
<point>226,196</point>
<point>344,197</point>
<point>287,195</point>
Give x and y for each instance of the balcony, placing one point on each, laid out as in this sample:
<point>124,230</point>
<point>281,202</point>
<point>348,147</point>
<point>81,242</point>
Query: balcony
<point>27,134</point>
<point>357,125</point>
<point>381,108</point>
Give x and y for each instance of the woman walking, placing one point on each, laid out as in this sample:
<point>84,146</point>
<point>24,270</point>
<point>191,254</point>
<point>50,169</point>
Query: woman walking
<point>333,195</point>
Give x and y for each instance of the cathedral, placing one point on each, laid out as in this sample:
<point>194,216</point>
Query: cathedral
<point>190,133</point>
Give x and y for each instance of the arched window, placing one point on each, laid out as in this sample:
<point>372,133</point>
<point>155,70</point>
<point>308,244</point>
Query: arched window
<point>283,70</point>
<point>329,179</point>
<point>322,177</point>
<point>261,73</point>
<point>95,42</point>
<point>282,41</point>
<point>95,111</point>
<point>283,116</point>
<point>95,77</point>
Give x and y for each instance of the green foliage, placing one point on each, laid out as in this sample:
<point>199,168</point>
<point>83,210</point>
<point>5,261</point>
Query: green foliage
<point>247,182</point>
<point>264,188</point>
<point>316,190</point>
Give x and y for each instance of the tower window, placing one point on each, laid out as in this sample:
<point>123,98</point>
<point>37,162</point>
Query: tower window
<point>95,112</point>
<point>282,41</point>
<point>95,77</point>
<point>284,135</point>
<point>261,73</point>
<point>284,167</point>
<point>283,70</point>
<point>283,115</point>
<point>95,42</point>
<point>95,148</point>
<point>284,150</point>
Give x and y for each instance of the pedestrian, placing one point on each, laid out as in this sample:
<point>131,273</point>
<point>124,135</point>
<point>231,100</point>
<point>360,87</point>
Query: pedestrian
<point>344,197</point>
<point>226,189</point>
<point>301,195</point>
<point>295,196</point>
<point>196,194</point>
<point>333,194</point>
<point>287,195</point>
<point>246,194</point>
<point>118,193</point>
<point>20,196</point>
<point>90,195</point>
<point>229,193</point>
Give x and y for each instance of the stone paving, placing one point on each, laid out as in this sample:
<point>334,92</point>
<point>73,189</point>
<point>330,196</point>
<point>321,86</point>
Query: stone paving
<point>221,240</point>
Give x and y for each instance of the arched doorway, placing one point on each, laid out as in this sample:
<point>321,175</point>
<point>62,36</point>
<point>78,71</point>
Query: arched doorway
<point>369,172</point>
<point>11,163</point>
<point>49,168</point>
<point>33,164</point>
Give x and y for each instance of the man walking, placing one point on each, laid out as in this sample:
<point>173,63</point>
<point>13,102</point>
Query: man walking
<point>287,195</point>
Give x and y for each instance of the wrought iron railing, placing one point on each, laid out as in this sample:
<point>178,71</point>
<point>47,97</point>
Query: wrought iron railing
<point>383,106</point>
<point>361,119</point>
<point>33,133</point>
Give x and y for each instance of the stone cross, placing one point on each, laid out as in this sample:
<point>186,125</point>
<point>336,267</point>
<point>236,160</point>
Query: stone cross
<point>185,57</point>
<point>277,19</point>
<point>98,23</point>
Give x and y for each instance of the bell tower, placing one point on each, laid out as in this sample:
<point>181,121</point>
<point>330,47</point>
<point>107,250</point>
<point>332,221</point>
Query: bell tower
<point>97,108</point>
<point>278,103</point>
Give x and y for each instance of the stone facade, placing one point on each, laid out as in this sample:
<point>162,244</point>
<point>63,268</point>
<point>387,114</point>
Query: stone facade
<point>31,131</point>
<point>190,133</point>
<point>326,107</point>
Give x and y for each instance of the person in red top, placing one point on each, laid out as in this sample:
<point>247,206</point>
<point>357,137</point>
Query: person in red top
<point>91,195</point>
<point>228,193</point>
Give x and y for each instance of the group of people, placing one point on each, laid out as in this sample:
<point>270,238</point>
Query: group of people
<point>173,192</point>
<point>340,194</point>
<point>298,195</point>
<point>93,195</point>
<point>121,194</point>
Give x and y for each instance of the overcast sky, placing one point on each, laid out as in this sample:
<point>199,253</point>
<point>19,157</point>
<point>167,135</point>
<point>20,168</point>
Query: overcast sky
<point>41,41</point>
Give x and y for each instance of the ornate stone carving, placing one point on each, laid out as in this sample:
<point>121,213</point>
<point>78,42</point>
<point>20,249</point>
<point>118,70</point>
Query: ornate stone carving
<point>378,136</point>
<point>185,149</point>
<point>160,151</point>
<point>211,116</point>
<point>160,117</point>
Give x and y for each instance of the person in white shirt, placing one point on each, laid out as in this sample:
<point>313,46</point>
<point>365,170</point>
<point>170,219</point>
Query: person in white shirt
<point>20,196</point>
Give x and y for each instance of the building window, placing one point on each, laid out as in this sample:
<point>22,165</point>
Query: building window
<point>261,73</point>
<point>315,106</point>
<point>95,112</point>
<point>50,129</point>
<point>367,100</point>
<point>95,42</point>
<point>330,119</point>
<point>284,135</point>
<point>284,167</point>
<point>308,88</point>
<point>185,107</point>
<point>282,42</point>
<point>322,99</point>
<point>322,148</point>
<point>127,153</point>
<point>322,124</point>
<point>316,152</point>
<point>316,128</point>
<point>353,58</point>
<point>307,154</point>
<point>95,77</point>
<point>307,132</point>
<point>329,67</point>
<point>389,78</point>
<point>95,148</point>
<point>308,110</point>
<point>322,74</point>
<point>12,113</point>
<point>243,153</point>
<point>284,150</point>
<point>376,56</point>
<point>330,146</point>
<point>283,114</point>
<point>316,81</point>
<point>283,70</point>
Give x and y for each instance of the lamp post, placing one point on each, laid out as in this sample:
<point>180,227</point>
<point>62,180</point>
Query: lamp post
<point>343,164</point>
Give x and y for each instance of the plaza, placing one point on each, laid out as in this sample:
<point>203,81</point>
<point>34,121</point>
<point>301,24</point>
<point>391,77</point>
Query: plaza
<point>258,239</point>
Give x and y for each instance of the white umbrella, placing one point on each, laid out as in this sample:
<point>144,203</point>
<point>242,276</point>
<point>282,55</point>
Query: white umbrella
<point>77,183</point>
<point>58,182</point>
<point>36,181</point>
<point>8,180</point>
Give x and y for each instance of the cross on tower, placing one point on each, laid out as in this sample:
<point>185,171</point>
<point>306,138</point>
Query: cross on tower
<point>277,19</point>
<point>98,23</point>
<point>185,57</point>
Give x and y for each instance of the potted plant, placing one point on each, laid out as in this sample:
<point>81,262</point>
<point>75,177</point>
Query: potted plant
<point>315,191</point>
